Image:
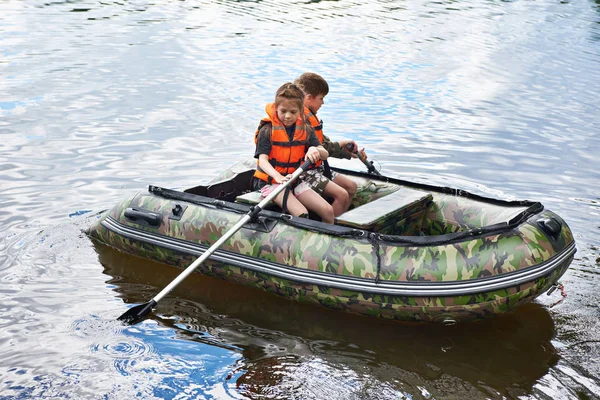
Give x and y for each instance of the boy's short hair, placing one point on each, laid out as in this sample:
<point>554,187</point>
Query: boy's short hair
<point>312,84</point>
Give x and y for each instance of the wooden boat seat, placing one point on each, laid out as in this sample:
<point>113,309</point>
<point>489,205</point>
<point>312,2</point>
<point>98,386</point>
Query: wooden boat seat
<point>400,212</point>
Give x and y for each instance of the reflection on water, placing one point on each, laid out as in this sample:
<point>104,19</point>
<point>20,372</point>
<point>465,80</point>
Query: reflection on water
<point>287,345</point>
<point>101,98</point>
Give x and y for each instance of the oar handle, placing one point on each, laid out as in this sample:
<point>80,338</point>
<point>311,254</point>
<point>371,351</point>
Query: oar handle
<point>369,164</point>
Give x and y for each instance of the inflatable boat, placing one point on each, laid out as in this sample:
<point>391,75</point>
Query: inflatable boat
<point>404,250</point>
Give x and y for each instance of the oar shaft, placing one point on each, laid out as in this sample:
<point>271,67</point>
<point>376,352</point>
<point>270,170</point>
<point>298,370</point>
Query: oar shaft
<point>136,313</point>
<point>201,259</point>
<point>369,164</point>
<point>228,235</point>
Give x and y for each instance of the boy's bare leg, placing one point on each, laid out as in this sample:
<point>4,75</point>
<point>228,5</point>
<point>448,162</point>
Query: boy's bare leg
<point>317,204</point>
<point>341,199</point>
<point>347,184</point>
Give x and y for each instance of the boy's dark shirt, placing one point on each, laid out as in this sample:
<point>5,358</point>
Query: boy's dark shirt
<point>333,148</point>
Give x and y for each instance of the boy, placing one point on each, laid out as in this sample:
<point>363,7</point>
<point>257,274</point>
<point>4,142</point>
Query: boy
<point>315,89</point>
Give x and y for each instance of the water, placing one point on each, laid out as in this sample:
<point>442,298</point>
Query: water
<point>100,99</point>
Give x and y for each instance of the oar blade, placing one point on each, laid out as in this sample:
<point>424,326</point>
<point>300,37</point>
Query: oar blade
<point>135,314</point>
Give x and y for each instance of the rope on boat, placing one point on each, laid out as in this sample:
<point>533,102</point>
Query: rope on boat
<point>305,223</point>
<point>340,231</point>
<point>446,238</point>
<point>374,238</point>
<point>563,293</point>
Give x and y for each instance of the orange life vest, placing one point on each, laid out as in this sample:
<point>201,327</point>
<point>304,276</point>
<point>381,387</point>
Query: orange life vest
<point>286,155</point>
<point>316,124</point>
<point>317,127</point>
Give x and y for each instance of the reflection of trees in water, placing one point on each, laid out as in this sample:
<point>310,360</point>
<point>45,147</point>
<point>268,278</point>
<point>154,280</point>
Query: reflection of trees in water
<point>596,27</point>
<point>506,355</point>
<point>297,349</point>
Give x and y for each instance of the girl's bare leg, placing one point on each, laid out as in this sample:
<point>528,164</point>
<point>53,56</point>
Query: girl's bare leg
<point>294,206</point>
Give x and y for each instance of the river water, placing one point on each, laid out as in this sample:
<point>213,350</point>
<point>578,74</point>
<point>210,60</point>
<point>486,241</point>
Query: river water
<point>99,99</point>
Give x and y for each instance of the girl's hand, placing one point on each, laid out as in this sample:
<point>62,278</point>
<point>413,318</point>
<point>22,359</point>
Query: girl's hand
<point>281,179</point>
<point>312,154</point>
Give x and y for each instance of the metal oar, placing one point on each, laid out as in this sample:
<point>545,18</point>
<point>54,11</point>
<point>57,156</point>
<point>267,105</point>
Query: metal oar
<point>135,314</point>
<point>369,164</point>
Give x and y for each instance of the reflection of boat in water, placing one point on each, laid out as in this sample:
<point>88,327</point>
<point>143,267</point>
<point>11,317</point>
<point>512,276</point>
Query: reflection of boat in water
<point>405,251</point>
<point>277,337</point>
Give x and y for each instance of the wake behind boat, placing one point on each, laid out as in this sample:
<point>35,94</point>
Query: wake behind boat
<point>404,250</point>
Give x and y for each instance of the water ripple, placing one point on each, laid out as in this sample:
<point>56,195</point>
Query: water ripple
<point>100,99</point>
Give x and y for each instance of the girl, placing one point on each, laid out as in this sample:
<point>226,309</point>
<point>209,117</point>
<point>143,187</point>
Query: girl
<point>283,142</point>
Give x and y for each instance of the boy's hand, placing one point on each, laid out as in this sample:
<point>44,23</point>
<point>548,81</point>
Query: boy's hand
<point>352,148</point>
<point>361,154</point>
<point>349,145</point>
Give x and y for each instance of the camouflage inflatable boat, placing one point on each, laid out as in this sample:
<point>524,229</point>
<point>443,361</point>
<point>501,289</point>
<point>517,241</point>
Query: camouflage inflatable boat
<point>403,251</point>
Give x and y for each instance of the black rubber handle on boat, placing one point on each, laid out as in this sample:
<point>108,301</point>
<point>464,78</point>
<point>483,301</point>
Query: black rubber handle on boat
<point>137,313</point>
<point>551,226</point>
<point>369,164</point>
<point>143,216</point>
